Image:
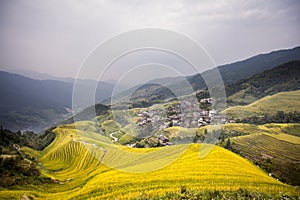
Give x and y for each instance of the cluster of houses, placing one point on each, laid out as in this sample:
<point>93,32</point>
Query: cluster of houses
<point>208,100</point>
<point>164,141</point>
<point>184,114</point>
<point>144,118</point>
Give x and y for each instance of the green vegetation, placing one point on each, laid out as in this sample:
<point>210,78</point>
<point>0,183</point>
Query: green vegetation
<point>285,132</point>
<point>32,119</point>
<point>20,169</point>
<point>286,102</point>
<point>282,78</point>
<point>29,139</point>
<point>293,129</point>
<point>88,113</point>
<point>279,117</point>
<point>19,166</point>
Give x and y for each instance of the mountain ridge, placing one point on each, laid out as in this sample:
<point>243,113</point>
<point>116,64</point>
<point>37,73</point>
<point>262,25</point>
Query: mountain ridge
<point>285,77</point>
<point>37,104</point>
<point>230,73</point>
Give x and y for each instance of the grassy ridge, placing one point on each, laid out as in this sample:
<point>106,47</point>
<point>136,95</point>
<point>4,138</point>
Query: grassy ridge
<point>282,131</point>
<point>80,175</point>
<point>279,79</point>
<point>283,101</point>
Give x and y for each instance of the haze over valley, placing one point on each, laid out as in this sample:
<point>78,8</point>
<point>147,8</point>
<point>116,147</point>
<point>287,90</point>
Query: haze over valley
<point>149,100</point>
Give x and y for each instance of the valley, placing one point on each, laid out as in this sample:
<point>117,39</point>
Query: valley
<point>162,146</point>
<point>96,159</point>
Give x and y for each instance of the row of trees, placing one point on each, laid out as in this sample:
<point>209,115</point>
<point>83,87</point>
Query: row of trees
<point>279,117</point>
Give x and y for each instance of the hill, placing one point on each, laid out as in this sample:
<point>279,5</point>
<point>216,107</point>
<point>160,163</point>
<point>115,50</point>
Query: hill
<point>244,69</point>
<point>37,104</point>
<point>285,77</point>
<point>83,170</point>
<point>273,147</point>
<point>231,73</point>
<point>283,101</point>
<point>88,113</point>
<point>29,139</point>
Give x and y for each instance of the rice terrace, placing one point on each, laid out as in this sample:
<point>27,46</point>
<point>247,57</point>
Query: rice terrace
<point>136,100</point>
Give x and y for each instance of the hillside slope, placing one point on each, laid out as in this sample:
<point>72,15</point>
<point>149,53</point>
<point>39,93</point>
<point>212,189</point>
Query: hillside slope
<point>274,147</point>
<point>73,159</point>
<point>231,73</point>
<point>244,69</point>
<point>285,77</point>
<point>283,101</point>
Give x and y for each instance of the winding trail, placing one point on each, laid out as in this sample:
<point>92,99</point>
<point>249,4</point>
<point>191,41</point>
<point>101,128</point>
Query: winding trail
<point>115,139</point>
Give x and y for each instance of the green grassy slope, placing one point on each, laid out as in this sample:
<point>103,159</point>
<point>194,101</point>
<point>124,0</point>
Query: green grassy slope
<point>73,160</point>
<point>290,130</point>
<point>283,101</point>
<point>285,77</point>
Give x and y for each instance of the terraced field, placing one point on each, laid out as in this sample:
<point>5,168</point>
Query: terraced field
<point>87,165</point>
<point>285,131</point>
<point>283,101</point>
<point>272,148</point>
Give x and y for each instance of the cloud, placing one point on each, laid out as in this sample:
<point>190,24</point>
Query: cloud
<point>55,36</point>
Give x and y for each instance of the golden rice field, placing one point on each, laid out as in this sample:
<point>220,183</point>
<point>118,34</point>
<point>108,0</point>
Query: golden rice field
<point>271,139</point>
<point>88,165</point>
<point>274,147</point>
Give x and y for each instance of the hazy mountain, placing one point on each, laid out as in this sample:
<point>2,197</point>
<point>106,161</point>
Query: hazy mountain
<point>35,104</point>
<point>38,76</point>
<point>234,72</point>
<point>143,91</point>
<point>27,103</point>
<point>88,113</point>
<point>285,77</point>
<point>230,73</point>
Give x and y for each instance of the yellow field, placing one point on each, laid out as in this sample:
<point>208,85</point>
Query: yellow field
<point>75,159</point>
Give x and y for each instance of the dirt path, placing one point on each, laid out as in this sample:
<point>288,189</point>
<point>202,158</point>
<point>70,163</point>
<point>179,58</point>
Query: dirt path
<point>115,139</point>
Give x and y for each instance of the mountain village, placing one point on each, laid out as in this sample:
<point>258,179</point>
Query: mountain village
<point>184,114</point>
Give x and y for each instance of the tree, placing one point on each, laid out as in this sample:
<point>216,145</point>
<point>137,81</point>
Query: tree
<point>228,144</point>
<point>222,137</point>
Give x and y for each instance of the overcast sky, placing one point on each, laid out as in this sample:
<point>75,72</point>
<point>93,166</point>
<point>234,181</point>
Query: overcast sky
<point>56,36</point>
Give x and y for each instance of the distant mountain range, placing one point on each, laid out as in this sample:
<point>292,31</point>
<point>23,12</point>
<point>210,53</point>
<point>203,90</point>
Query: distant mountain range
<point>36,104</point>
<point>234,72</point>
<point>283,78</point>
<point>32,104</point>
<point>38,76</point>
<point>231,73</point>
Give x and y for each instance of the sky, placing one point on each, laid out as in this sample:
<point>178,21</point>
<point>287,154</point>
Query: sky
<point>56,37</point>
